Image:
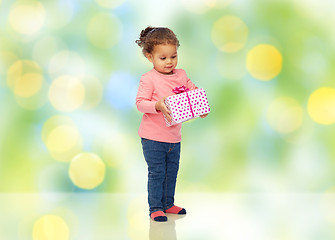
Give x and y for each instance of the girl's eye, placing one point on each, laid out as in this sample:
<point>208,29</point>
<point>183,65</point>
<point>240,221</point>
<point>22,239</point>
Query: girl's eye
<point>173,56</point>
<point>163,58</point>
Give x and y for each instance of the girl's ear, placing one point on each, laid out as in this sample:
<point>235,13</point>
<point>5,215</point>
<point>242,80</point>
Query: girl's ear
<point>149,56</point>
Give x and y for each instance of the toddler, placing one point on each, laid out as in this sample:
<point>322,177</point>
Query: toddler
<point>160,144</point>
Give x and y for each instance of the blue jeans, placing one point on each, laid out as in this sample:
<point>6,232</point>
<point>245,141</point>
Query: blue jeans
<point>163,163</point>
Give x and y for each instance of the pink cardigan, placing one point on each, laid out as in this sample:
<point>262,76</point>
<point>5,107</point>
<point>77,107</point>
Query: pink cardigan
<point>153,87</point>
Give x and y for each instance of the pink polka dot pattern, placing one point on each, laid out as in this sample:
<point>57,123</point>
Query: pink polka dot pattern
<point>187,105</point>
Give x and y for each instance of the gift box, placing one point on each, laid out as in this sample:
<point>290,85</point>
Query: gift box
<point>186,105</point>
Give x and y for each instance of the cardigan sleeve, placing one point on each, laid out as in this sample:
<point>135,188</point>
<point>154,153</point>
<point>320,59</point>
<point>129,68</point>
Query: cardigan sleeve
<point>144,94</point>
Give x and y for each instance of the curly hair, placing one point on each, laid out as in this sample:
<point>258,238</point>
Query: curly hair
<point>152,36</point>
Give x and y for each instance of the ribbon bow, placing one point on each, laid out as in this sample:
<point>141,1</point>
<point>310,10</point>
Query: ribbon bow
<point>183,89</point>
<point>180,89</point>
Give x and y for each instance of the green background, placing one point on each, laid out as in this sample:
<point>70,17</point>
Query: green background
<point>234,149</point>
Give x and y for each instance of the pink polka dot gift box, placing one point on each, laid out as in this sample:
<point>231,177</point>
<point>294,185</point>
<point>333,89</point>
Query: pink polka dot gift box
<point>186,105</point>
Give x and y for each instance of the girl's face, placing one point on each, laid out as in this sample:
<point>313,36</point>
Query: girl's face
<point>164,58</point>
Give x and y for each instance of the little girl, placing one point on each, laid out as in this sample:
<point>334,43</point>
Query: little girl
<point>160,144</point>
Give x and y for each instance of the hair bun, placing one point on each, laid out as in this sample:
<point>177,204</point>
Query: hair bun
<point>143,35</point>
<point>152,36</point>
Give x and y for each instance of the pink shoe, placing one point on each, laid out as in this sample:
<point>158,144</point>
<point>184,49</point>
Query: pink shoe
<point>158,216</point>
<point>175,210</point>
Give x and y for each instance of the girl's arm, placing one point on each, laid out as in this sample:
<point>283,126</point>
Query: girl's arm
<point>144,102</point>
<point>160,106</point>
<point>143,98</point>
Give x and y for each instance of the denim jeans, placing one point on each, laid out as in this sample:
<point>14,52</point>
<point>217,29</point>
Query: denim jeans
<point>163,163</point>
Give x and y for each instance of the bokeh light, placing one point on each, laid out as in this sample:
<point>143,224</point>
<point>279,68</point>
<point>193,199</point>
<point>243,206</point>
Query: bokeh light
<point>66,93</point>
<point>33,103</point>
<point>7,58</point>
<point>60,13</point>
<point>264,62</point>
<point>321,105</point>
<point>62,138</point>
<point>28,85</point>
<point>27,17</point>
<point>121,90</point>
<point>285,115</point>
<point>87,170</point>
<point>50,227</point>
<point>93,91</point>
<point>54,122</point>
<point>46,48</point>
<point>25,78</point>
<point>229,34</point>
<point>67,63</point>
<point>104,30</point>
<point>110,3</point>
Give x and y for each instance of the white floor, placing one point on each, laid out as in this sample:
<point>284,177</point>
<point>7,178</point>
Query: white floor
<point>228,216</point>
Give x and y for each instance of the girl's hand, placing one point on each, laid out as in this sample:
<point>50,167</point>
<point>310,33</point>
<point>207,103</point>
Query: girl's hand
<point>160,106</point>
<point>203,116</point>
